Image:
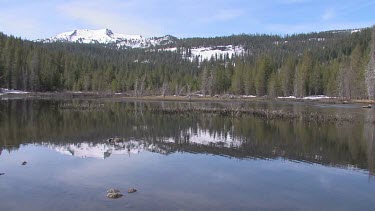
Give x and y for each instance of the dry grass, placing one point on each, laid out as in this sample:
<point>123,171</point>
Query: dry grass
<point>260,113</point>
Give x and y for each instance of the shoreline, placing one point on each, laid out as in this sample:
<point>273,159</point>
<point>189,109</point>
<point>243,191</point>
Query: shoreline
<point>124,96</point>
<point>84,99</point>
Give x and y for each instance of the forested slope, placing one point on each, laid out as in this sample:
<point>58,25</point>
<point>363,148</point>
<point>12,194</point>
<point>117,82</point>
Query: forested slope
<point>334,63</point>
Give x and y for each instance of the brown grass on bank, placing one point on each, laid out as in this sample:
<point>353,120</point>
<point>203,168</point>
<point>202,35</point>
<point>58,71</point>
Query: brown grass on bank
<point>260,113</point>
<point>127,96</point>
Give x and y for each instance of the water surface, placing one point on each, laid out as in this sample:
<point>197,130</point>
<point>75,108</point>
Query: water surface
<point>180,162</point>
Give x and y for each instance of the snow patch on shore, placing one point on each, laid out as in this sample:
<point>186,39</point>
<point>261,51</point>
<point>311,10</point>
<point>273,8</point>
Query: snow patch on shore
<point>313,97</point>
<point>11,91</point>
<point>289,97</point>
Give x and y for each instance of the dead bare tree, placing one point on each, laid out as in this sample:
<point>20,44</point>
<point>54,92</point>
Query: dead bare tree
<point>164,88</point>
<point>204,82</point>
<point>1,90</point>
<point>142,86</point>
<point>139,86</point>
<point>188,89</point>
<point>211,83</point>
<point>181,90</point>
<point>370,79</point>
<point>176,90</point>
<point>345,81</point>
<point>136,88</point>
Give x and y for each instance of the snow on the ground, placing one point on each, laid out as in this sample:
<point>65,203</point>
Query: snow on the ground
<point>248,96</point>
<point>313,97</point>
<point>289,97</point>
<point>317,39</point>
<point>316,97</point>
<point>12,91</point>
<point>355,31</point>
<point>206,53</point>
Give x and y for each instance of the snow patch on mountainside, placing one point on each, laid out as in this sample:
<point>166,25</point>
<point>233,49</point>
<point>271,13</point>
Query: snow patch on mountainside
<point>106,36</point>
<point>355,31</point>
<point>206,53</point>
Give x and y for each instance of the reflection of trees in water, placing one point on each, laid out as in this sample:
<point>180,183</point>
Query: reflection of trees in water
<point>25,121</point>
<point>369,133</point>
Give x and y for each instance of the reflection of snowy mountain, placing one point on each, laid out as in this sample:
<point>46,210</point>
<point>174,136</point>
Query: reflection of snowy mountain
<point>119,146</point>
<point>99,150</point>
<point>204,137</point>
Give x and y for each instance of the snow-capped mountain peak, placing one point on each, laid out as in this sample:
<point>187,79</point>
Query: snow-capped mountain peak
<point>108,37</point>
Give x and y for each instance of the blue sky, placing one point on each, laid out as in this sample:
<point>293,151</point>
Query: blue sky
<point>183,18</point>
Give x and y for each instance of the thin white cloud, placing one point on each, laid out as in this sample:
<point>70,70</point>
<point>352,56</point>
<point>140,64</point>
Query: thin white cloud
<point>98,14</point>
<point>356,7</point>
<point>284,29</point>
<point>13,23</point>
<point>328,15</point>
<point>294,1</point>
<point>346,10</point>
<point>221,16</point>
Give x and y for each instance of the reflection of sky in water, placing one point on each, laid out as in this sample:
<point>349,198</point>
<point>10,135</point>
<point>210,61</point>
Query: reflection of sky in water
<point>185,181</point>
<point>182,163</point>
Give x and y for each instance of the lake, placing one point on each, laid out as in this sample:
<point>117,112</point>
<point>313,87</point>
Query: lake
<point>78,149</point>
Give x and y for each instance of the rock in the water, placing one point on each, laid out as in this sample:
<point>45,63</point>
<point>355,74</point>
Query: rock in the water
<point>113,191</point>
<point>132,190</point>
<point>368,106</point>
<point>114,194</point>
<point>24,163</point>
<point>2,174</point>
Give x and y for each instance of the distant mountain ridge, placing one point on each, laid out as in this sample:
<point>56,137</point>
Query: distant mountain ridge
<point>108,37</point>
<point>201,48</point>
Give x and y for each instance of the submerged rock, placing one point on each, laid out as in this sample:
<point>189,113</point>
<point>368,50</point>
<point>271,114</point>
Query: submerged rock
<point>368,106</point>
<point>114,194</point>
<point>132,190</point>
<point>24,163</point>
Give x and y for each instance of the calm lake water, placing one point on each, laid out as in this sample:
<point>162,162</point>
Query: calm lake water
<point>182,162</point>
